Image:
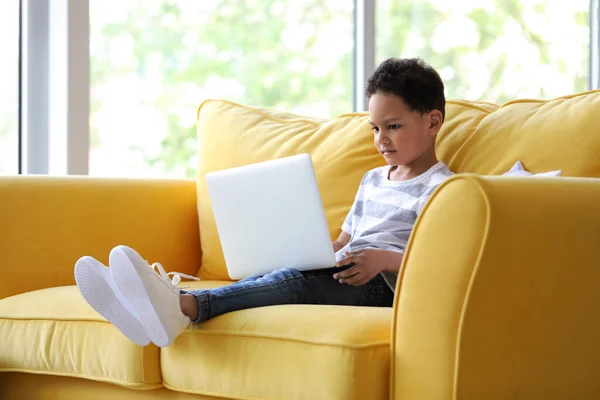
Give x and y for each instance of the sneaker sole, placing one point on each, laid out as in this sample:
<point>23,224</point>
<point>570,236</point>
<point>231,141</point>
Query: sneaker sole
<point>99,295</point>
<point>132,284</point>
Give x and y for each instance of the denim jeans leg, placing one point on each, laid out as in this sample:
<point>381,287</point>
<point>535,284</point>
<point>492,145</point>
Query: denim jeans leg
<point>375,293</point>
<point>289,286</point>
<point>283,286</point>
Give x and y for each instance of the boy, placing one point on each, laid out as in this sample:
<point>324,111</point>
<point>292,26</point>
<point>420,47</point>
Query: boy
<point>406,111</point>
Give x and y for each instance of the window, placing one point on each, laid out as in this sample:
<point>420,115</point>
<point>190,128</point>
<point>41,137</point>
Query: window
<point>492,50</point>
<point>154,61</point>
<point>9,87</point>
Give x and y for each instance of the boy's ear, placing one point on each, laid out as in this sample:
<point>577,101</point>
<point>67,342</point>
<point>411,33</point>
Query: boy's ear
<point>435,121</point>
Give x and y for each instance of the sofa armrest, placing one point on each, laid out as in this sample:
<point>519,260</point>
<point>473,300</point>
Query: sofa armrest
<point>47,223</point>
<point>500,292</point>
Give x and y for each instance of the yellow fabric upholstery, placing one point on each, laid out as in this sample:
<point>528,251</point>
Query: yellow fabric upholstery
<point>284,352</point>
<point>462,119</point>
<point>48,223</point>
<point>342,151</point>
<point>506,305</point>
<point>54,331</point>
<point>544,135</point>
<point>45,387</point>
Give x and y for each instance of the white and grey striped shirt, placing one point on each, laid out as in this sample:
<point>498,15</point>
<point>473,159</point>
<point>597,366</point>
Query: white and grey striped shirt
<point>384,211</point>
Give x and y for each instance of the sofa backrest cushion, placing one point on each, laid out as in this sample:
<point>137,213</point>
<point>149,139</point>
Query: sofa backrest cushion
<point>560,134</point>
<point>342,150</point>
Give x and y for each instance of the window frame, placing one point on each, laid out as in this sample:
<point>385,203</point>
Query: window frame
<point>54,131</point>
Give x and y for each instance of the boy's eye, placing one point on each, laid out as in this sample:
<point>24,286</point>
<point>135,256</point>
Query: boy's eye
<point>395,126</point>
<point>375,129</point>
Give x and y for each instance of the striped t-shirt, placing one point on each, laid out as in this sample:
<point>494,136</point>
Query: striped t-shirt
<point>384,211</point>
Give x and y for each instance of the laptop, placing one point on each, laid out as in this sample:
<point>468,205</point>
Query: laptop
<point>269,216</point>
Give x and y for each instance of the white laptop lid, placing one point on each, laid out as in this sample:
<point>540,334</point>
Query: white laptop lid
<point>270,215</point>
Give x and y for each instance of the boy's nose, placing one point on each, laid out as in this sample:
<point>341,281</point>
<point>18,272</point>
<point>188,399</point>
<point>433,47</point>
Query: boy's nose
<point>382,139</point>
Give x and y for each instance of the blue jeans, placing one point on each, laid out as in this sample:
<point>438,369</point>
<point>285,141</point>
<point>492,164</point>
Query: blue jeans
<point>289,286</point>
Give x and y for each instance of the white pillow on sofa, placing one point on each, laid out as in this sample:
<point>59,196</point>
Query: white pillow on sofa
<point>518,170</point>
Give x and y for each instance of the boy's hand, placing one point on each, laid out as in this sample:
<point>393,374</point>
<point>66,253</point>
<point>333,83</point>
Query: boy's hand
<point>368,263</point>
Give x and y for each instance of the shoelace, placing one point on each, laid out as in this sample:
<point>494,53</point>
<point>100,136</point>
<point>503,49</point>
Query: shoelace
<point>176,276</point>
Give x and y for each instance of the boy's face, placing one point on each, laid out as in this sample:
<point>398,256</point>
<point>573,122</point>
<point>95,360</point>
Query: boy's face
<point>400,134</point>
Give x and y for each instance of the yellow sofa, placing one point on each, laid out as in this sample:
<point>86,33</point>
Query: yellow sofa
<point>497,298</point>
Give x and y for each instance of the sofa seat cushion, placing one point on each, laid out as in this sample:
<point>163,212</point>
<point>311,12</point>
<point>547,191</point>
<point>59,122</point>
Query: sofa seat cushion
<point>284,352</point>
<point>54,331</point>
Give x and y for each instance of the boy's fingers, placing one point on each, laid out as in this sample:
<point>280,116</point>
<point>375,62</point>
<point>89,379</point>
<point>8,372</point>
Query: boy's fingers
<point>355,280</point>
<point>347,273</point>
<point>346,261</point>
<point>358,279</point>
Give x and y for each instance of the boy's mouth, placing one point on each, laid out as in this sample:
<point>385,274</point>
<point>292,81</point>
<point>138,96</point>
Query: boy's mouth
<point>387,152</point>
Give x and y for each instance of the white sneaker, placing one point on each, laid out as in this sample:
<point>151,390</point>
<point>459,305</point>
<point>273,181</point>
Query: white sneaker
<point>154,295</point>
<point>98,288</point>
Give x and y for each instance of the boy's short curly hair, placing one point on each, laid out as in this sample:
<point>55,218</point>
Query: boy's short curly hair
<point>411,79</point>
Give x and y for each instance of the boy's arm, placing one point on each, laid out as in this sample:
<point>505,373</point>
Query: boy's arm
<point>341,241</point>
